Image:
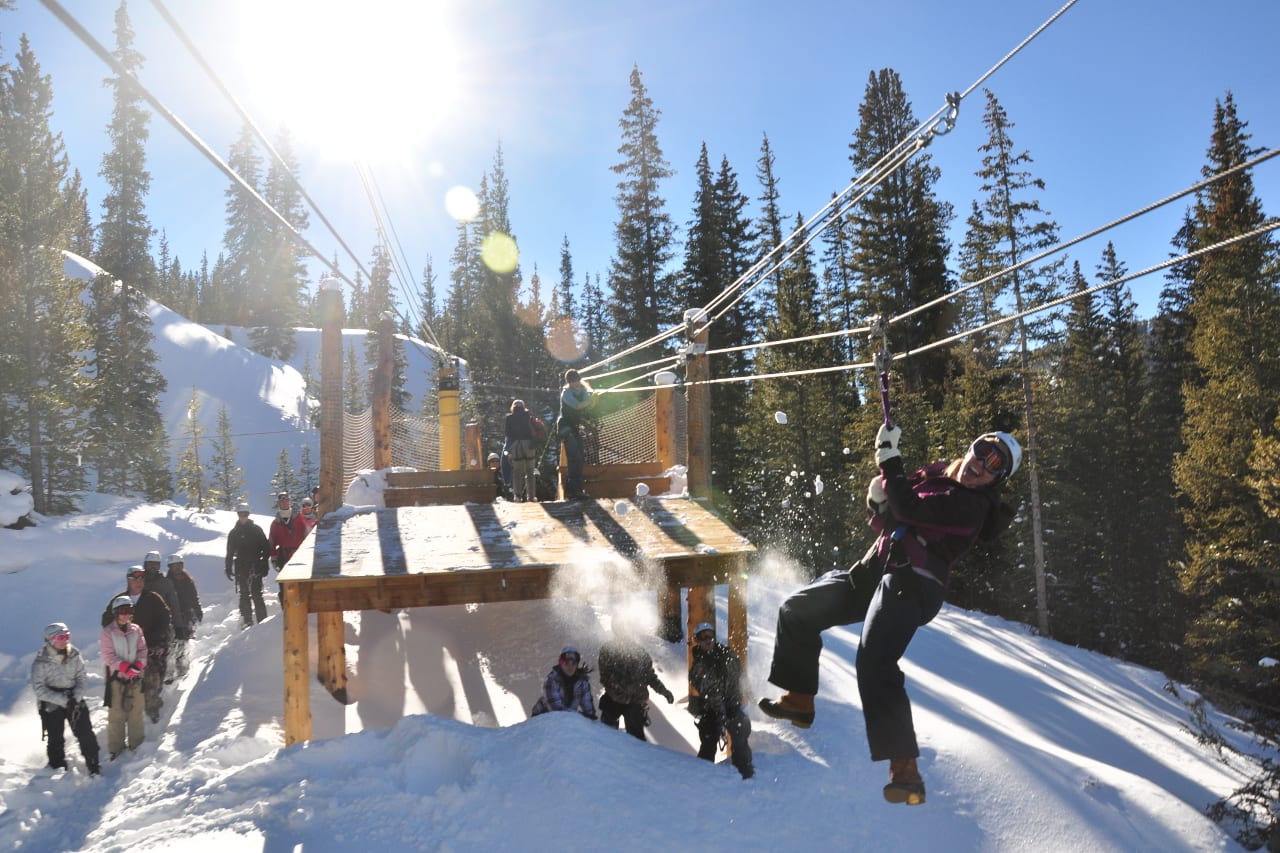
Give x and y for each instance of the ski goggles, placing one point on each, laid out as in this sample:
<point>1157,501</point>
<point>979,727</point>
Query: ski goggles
<point>65,636</point>
<point>991,455</point>
<point>570,658</point>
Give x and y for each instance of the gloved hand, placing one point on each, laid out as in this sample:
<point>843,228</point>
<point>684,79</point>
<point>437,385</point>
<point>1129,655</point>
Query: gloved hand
<point>230,575</point>
<point>667,694</point>
<point>590,715</point>
<point>130,671</point>
<point>877,500</point>
<point>695,705</point>
<point>887,443</point>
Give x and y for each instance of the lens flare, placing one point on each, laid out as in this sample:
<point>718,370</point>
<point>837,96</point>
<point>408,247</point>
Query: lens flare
<point>500,253</point>
<point>462,204</point>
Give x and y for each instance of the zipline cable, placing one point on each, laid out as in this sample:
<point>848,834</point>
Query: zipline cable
<point>72,24</point>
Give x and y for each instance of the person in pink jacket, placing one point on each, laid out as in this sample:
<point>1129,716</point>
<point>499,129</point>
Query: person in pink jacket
<point>124,652</point>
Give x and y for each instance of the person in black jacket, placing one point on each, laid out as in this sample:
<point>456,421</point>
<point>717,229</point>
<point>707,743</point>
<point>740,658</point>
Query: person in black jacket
<point>151,614</point>
<point>523,452</point>
<point>247,550</point>
<point>626,671</point>
<point>192,614</point>
<point>716,675</point>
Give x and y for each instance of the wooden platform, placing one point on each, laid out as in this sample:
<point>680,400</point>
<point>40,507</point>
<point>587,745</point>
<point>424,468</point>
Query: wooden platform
<point>386,559</point>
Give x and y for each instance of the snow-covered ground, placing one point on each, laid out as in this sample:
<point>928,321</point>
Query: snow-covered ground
<point>1027,744</point>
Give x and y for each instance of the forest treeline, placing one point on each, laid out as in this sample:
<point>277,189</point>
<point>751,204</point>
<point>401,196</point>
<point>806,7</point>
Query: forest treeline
<point>1148,515</point>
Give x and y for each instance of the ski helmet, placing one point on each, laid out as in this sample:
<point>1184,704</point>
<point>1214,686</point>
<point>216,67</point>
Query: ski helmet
<point>175,559</point>
<point>119,603</point>
<point>703,626</point>
<point>1013,454</point>
<point>53,629</point>
<point>152,557</point>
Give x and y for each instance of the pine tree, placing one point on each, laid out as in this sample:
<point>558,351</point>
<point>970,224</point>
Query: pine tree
<point>226,478</point>
<point>1233,546</point>
<point>191,471</point>
<point>427,308</point>
<point>127,433</point>
<point>284,283</point>
<point>43,329</point>
<point>245,265</point>
<point>642,290</point>
<point>718,252</point>
<point>779,499</point>
<point>308,473</point>
<point>1009,226</point>
<point>899,235</point>
<point>285,478</point>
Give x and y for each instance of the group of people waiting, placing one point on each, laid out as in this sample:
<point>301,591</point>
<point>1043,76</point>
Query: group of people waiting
<point>250,551</point>
<point>627,674</point>
<point>515,469</point>
<point>144,643</point>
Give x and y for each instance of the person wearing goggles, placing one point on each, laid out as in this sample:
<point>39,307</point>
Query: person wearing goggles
<point>924,522</point>
<point>58,680</point>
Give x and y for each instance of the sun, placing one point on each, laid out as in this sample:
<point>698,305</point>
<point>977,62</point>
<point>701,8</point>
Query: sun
<point>352,80</point>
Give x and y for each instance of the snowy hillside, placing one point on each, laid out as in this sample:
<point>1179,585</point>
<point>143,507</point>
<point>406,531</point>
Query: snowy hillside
<point>267,399</point>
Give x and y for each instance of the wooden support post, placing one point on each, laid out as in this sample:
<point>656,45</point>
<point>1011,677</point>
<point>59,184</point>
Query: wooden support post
<point>332,654</point>
<point>697,372</point>
<point>702,608</point>
<point>737,637</point>
<point>669,625</point>
<point>473,445</point>
<point>332,485</point>
<point>665,425</point>
<point>297,684</point>
<point>382,392</point>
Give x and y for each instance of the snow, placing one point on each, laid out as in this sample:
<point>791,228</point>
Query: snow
<point>1027,744</point>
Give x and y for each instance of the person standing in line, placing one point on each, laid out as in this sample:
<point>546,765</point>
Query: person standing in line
<point>924,523</point>
<point>246,564</point>
<point>124,652</point>
<point>626,672</point>
<point>58,679</point>
<point>716,676</point>
<point>523,452</point>
<point>307,516</point>
<point>192,615</point>
<point>151,614</point>
<point>567,687</point>
<point>576,399</point>
<point>287,532</point>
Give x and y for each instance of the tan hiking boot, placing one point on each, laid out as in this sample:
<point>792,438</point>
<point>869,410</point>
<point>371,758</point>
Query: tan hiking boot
<point>905,783</point>
<point>796,707</point>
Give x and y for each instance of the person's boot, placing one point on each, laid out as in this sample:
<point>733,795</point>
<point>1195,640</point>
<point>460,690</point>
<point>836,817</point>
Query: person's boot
<point>94,767</point>
<point>796,707</point>
<point>905,784</point>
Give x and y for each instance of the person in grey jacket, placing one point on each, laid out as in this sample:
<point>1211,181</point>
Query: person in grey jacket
<point>58,679</point>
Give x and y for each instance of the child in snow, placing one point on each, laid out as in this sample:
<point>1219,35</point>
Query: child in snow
<point>57,677</point>
<point>124,651</point>
<point>567,687</point>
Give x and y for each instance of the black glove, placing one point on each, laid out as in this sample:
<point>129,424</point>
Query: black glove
<point>695,705</point>
<point>667,694</point>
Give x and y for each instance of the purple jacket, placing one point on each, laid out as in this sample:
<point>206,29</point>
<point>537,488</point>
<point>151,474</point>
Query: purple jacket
<point>932,520</point>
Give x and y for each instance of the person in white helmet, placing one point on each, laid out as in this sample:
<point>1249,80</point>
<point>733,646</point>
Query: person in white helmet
<point>924,523</point>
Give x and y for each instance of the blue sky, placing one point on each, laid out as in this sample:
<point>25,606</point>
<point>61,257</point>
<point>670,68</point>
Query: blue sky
<point>1114,102</point>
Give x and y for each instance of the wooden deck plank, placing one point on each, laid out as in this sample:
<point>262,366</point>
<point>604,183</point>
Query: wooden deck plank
<point>505,536</point>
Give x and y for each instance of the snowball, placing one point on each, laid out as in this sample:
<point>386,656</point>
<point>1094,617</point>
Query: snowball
<point>780,417</point>
<point>1268,662</point>
<point>622,507</point>
<point>818,485</point>
<point>786,504</point>
<point>642,489</point>
<point>846,451</point>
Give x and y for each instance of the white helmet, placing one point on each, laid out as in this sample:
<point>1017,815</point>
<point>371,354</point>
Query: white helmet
<point>1013,457</point>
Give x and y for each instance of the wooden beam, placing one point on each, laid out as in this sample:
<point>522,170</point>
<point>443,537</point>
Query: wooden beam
<point>332,484</point>
<point>331,650</point>
<point>737,641</point>
<point>698,413</point>
<point>665,425</point>
<point>297,684</point>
